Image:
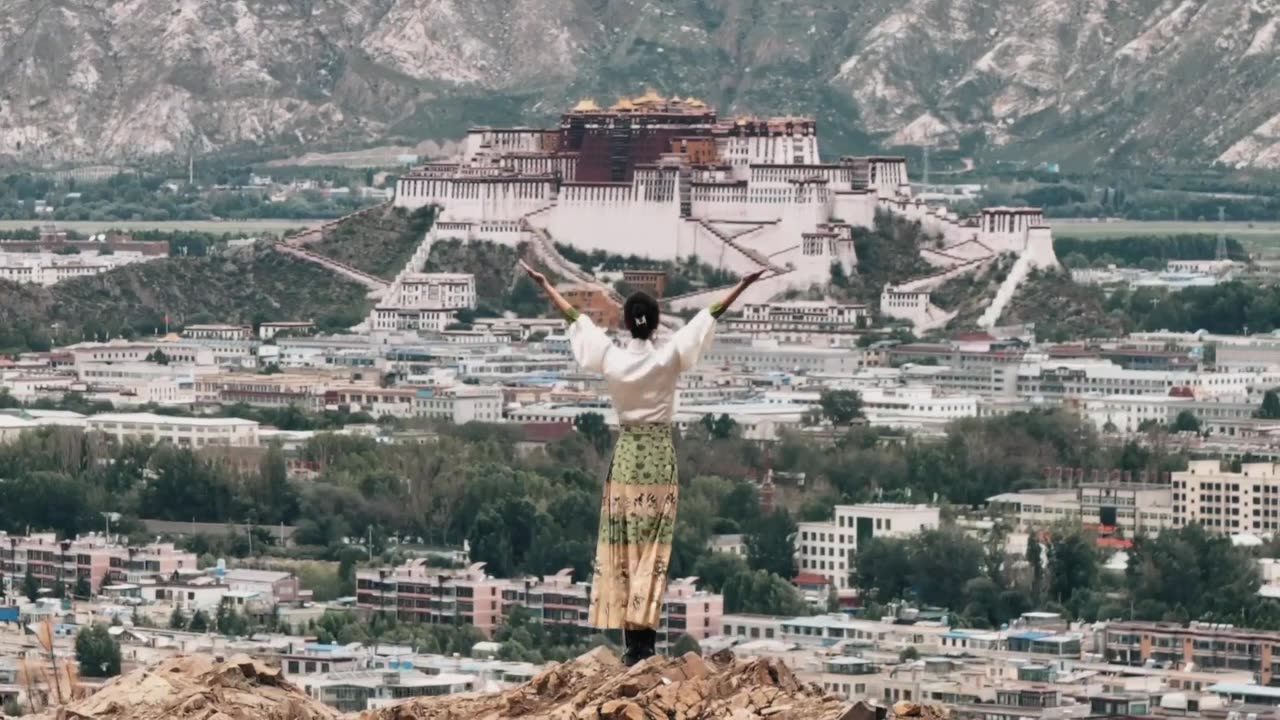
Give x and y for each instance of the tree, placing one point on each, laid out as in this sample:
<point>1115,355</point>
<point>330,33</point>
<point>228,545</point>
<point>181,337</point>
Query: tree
<point>1073,564</point>
<point>1186,422</point>
<point>714,569</point>
<point>883,565</point>
<point>177,621</point>
<point>771,544</point>
<point>840,407</point>
<point>347,559</point>
<point>275,499</point>
<point>719,428</point>
<point>686,644</point>
<point>1036,561</point>
<point>30,587</point>
<point>97,652</point>
<point>758,591</point>
<point>593,428</point>
<point>199,622</point>
<point>1270,409</point>
<point>908,654</point>
<point>82,589</point>
<point>942,560</point>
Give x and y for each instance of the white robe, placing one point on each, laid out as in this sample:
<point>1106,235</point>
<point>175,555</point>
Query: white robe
<point>641,376</point>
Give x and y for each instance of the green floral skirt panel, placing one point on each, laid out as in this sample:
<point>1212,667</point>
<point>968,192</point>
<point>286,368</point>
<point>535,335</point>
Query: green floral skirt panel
<point>637,523</point>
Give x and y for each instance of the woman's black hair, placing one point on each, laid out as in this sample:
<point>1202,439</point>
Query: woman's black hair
<point>640,313</point>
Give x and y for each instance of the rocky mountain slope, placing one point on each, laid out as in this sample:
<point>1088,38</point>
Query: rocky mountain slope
<point>249,285</point>
<point>1069,80</point>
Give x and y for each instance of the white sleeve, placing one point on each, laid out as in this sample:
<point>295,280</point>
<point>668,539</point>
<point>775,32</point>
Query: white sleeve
<point>690,341</point>
<point>589,344</point>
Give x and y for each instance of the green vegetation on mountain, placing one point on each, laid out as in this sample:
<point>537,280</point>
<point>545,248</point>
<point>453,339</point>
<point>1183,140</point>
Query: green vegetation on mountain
<point>248,286</point>
<point>379,241</point>
<point>969,294</point>
<point>687,275</point>
<point>888,252</point>
<point>500,284</point>
<point>1146,251</point>
<point>1060,308</point>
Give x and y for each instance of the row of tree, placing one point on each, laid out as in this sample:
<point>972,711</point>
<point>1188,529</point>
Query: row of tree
<point>1063,569</point>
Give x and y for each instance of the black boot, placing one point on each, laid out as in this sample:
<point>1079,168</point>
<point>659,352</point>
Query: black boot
<point>641,644</point>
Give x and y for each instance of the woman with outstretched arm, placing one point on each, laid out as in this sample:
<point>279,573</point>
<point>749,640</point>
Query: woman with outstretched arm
<point>638,509</point>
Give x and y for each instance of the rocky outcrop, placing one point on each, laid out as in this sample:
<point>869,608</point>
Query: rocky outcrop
<point>113,82</point>
<point>194,688</point>
<point>596,685</point>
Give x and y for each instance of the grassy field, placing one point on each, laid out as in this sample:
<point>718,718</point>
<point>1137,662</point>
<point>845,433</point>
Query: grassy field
<point>248,227</point>
<point>1257,236</point>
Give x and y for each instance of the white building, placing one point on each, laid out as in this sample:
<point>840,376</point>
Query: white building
<point>915,407</point>
<point>51,268</point>
<point>461,404</point>
<point>752,195</point>
<point>828,548</point>
<point>799,316</point>
<point>1227,502</point>
<point>424,301</point>
<point>182,431</point>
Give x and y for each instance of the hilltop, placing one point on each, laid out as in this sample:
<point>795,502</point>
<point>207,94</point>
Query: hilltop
<point>595,685</point>
<point>1065,81</point>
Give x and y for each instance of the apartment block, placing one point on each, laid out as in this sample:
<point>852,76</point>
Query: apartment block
<point>52,561</point>
<point>828,548</point>
<point>1225,501</point>
<point>417,592</point>
<point>1207,646</point>
<point>181,431</point>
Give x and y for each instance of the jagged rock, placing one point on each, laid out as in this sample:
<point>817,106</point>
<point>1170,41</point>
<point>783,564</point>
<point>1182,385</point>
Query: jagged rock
<point>191,688</point>
<point>595,685</point>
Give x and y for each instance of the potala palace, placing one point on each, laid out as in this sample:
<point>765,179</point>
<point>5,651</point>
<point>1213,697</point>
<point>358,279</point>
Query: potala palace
<point>667,178</point>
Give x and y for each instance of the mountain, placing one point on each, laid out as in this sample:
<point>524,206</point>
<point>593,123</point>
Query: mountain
<point>110,81</point>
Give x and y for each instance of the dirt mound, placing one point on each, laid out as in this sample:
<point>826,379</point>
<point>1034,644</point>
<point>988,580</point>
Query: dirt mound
<point>194,688</point>
<point>597,686</point>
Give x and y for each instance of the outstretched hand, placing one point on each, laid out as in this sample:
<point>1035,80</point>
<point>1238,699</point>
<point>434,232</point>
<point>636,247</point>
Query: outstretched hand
<point>534,275</point>
<point>751,277</point>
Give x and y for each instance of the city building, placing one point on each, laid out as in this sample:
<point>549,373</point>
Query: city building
<point>417,592</point>
<point>269,330</point>
<point>799,316</point>
<point>1228,502</point>
<point>181,431</point>
<point>653,282</point>
<point>670,178</point>
<point>218,332</point>
<point>828,548</point>
<point>1206,646</point>
<point>460,404</point>
<point>100,562</point>
<point>595,303</point>
<point>423,301</point>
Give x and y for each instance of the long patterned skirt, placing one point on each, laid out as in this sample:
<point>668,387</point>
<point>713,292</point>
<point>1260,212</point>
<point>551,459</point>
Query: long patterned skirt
<point>637,522</point>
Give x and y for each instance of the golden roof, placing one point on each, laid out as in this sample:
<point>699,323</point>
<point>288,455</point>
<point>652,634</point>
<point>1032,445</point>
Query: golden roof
<point>623,104</point>
<point>586,105</point>
<point>694,102</point>
<point>650,97</point>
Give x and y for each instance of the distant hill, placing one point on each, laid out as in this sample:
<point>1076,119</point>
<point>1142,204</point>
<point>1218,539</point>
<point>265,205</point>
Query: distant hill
<point>1069,81</point>
<point>247,286</point>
